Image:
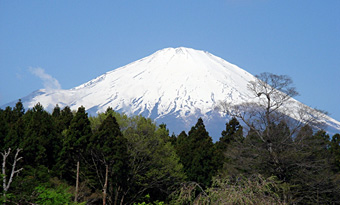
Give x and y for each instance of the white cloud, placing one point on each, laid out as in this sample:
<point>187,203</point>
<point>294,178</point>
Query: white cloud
<point>49,82</point>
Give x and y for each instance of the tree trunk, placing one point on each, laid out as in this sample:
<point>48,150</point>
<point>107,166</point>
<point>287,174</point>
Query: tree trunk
<point>105,185</point>
<point>4,157</point>
<point>122,200</point>
<point>116,195</point>
<point>6,184</point>
<point>77,184</point>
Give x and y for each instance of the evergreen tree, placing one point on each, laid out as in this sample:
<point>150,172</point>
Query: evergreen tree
<point>196,153</point>
<point>66,117</point>
<point>304,133</point>
<point>301,165</point>
<point>38,143</point>
<point>279,164</point>
<point>11,126</point>
<point>245,157</point>
<point>312,177</point>
<point>335,151</point>
<point>16,134</point>
<point>109,147</point>
<point>230,138</point>
<point>233,132</point>
<point>56,111</point>
<point>34,133</point>
<point>180,143</point>
<point>270,158</point>
<point>18,110</point>
<point>74,144</point>
<point>6,122</point>
<point>3,130</point>
<point>62,118</point>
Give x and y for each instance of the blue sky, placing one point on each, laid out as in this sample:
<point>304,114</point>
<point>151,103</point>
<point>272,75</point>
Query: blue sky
<point>67,43</point>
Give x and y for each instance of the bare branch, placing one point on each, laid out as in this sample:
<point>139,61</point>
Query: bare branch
<point>6,185</point>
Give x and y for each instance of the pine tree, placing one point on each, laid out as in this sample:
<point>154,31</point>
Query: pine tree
<point>2,129</point>
<point>335,151</point>
<point>75,143</point>
<point>196,153</point>
<point>66,116</point>
<point>62,119</point>
<point>18,110</point>
<point>38,143</point>
<point>109,147</point>
<point>56,111</point>
<point>16,134</point>
<point>232,133</point>
<point>230,138</point>
<point>6,122</point>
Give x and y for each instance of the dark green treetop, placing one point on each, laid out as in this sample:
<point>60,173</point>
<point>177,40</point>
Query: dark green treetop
<point>196,153</point>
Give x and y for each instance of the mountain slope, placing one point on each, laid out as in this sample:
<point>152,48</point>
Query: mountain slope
<point>173,85</point>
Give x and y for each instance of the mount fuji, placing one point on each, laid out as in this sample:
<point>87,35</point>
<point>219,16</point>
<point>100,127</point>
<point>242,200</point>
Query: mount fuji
<point>174,86</point>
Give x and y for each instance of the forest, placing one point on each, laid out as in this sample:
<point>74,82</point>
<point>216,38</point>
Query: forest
<point>261,157</point>
<point>137,162</point>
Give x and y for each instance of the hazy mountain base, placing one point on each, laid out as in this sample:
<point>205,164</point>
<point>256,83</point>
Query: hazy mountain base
<point>214,121</point>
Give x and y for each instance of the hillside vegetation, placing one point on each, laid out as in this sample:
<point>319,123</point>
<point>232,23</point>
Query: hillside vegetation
<point>67,157</point>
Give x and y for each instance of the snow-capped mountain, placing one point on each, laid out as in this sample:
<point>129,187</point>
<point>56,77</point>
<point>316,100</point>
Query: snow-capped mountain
<point>173,85</point>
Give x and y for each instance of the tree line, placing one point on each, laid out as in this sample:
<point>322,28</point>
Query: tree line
<point>68,157</point>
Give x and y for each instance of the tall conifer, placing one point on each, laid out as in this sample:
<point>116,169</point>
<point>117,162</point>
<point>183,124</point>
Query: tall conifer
<point>75,143</point>
<point>196,153</point>
<point>38,145</point>
<point>109,147</point>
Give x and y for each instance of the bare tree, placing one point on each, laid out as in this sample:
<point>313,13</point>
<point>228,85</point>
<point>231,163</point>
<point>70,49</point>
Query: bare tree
<point>273,118</point>
<point>6,185</point>
<point>271,103</point>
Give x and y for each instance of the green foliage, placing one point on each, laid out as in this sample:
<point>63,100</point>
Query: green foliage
<point>241,190</point>
<point>335,151</point>
<point>109,148</point>
<point>7,199</point>
<point>314,179</point>
<point>196,153</point>
<point>230,137</point>
<point>146,165</point>
<point>54,192</point>
<point>123,120</point>
<point>232,133</point>
<point>56,111</point>
<point>39,142</point>
<point>53,196</point>
<point>302,164</point>
<point>232,190</point>
<point>23,184</point>
<point>74,143</point>
<point>147,201</point>
<point>154,163</point>
<point>66,118</point>
<point>12,126</point>
<point>79,133</point>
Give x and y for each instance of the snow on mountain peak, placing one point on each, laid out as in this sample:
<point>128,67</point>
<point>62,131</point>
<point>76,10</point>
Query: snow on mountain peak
<point>173,80</point>
<point>179,82</point>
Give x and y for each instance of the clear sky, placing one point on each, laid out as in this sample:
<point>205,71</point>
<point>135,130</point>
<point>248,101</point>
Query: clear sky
<point>67,43</point>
